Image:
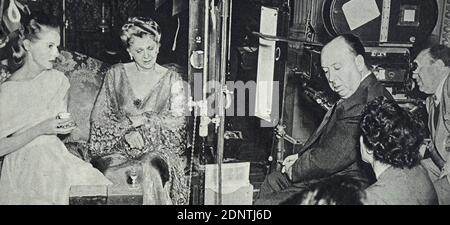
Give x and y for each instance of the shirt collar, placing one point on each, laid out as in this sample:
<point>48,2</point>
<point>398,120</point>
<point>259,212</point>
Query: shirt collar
<point>438,94</point>
<point>365,76</point>
<point>360,94</point>
<point>362,80</point>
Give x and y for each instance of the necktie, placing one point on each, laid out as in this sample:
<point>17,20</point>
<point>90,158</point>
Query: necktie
<point>436,111</point>
<point>326,118</point>
<point>318,131</point>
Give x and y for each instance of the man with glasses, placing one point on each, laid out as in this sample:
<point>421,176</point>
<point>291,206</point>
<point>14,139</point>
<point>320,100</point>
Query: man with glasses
<point>333,147</point>
<point>432,77</point>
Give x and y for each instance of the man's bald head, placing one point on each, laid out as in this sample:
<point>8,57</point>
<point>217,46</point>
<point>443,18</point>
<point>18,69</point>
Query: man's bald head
<point>348,42</point>
<point>343,62</point>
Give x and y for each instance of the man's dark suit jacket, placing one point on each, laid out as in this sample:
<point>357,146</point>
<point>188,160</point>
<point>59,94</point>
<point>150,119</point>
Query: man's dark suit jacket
<point>333,148</point>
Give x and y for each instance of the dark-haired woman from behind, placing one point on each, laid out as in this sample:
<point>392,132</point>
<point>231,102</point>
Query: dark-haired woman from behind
<point>37,168</point>
<point>390,142</point>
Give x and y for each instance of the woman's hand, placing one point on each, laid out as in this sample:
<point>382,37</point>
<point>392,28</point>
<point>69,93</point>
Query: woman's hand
<point>138,120</point>
<point>134,139</point>
<point>55,126</point>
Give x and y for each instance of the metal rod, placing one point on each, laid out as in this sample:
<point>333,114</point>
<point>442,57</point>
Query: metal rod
<point>64,24</point>
<point>284,39</point>
<point>223,72</point>
<point>230,16</point>
<point>206,52</point>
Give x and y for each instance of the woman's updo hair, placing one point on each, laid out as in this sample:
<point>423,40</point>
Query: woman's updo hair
<point>392,133</point>
<point>32,27</point>
<point>140,26</point>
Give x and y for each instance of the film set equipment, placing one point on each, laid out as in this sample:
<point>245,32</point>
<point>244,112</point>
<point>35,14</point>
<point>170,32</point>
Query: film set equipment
<point>389,31</point>
<point>218,182</point>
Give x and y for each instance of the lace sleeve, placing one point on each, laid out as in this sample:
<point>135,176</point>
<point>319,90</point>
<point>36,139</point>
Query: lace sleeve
<point>165,134</point>
<point>171,123</point>
<point>174,115</point>
<point>108,124</point>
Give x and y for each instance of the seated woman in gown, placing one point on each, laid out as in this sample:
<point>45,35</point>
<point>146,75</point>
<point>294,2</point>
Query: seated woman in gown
<point>37,168</point>
<point>390,142</point>
<point>138,121</point>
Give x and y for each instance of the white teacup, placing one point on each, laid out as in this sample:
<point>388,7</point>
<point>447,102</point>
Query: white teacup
<point>65,115</point>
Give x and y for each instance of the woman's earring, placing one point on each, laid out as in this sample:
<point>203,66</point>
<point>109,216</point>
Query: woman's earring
<point>131,57</point>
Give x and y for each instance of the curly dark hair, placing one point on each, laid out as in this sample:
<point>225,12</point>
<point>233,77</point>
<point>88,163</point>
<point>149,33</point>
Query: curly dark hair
<point>335,190</point>
<point>394,134</point>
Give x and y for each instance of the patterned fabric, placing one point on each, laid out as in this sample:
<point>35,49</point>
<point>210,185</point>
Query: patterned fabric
<point>85,75</point>
<point>163,131</point>
<point>4,73</point>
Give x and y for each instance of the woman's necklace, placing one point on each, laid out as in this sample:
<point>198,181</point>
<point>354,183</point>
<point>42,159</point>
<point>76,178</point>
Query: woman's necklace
<point>138,102</point>
<point>141,69</point>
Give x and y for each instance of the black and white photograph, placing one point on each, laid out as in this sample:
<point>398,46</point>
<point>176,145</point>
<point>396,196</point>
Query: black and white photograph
<point>234,103</point>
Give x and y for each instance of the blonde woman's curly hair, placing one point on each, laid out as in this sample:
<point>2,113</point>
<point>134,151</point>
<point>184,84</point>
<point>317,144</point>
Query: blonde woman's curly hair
<point>139,26</point>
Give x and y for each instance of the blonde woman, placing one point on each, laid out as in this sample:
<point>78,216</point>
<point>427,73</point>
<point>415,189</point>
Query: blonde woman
<point>37,168</point>
<point>138,121</point>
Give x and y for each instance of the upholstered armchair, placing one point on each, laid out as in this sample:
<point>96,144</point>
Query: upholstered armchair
<point>85,76</point>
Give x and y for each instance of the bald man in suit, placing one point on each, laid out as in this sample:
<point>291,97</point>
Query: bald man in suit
<point>333,147</point>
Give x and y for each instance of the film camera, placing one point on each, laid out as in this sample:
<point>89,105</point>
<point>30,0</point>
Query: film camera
<point>393,67</point>
<point>388,37</point>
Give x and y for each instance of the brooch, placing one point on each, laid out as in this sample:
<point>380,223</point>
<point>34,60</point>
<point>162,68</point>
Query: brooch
<point>137,102</point>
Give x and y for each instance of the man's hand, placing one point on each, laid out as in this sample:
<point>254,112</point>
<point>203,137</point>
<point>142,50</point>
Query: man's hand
<point>290,160</point>
<point>288,163</point>
<point>289,172</point>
